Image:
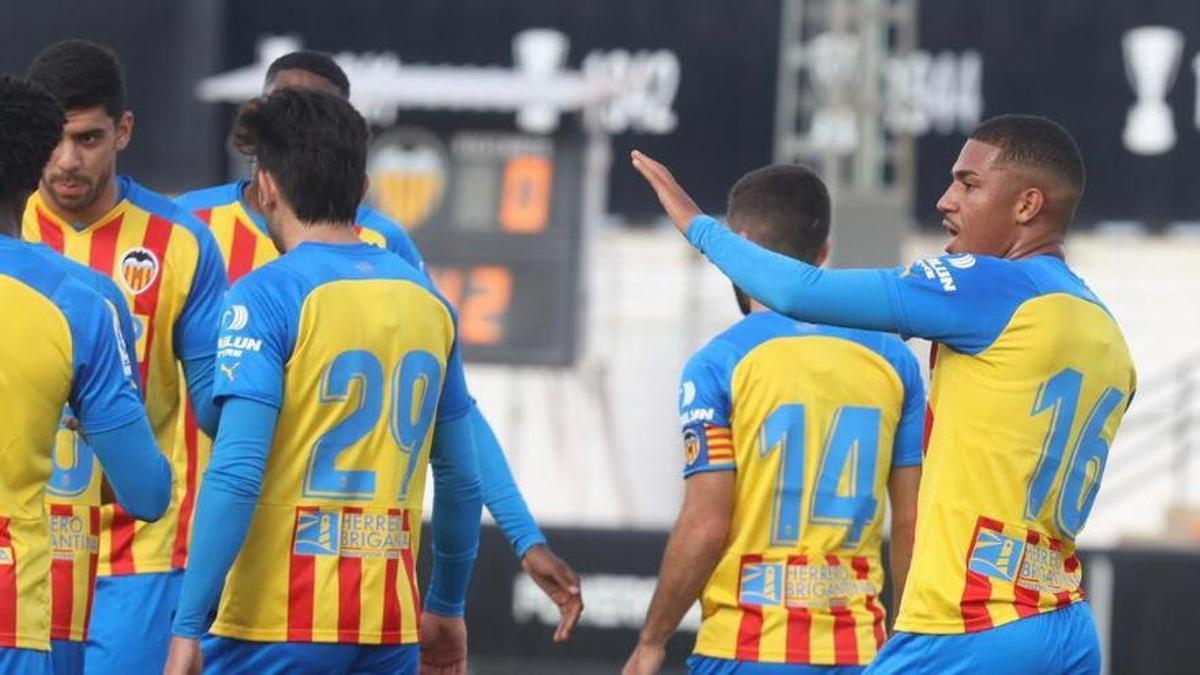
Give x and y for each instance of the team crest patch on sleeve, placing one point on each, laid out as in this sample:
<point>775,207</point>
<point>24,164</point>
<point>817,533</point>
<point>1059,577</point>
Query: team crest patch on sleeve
<point>691,446</point>
<point>139,269</point>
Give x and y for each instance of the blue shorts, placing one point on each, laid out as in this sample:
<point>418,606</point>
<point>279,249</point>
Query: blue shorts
<point>1061,641</point>
<point>67,657</point>
<point>25,661</point>
<point>227,655</point>
<point>131,623</point>
<point>707,665</point>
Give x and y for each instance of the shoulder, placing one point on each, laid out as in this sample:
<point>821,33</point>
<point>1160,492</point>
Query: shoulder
<point>160,206</point>
<point>101,283</point>
<point>209,198</point>
<point>374,220</point>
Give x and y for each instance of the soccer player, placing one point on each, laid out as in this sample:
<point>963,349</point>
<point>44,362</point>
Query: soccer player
<point>63,344</point>
<point>169,270</point>
<point>1031,380</point>
<point>242,236</point>
<point>340,380</point>
<point>791,433</point>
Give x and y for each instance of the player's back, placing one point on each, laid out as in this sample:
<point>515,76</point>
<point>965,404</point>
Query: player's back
<point>808,416</point>
<point>1026,398</point>
<point>40,346</point>
<point>365,345</point>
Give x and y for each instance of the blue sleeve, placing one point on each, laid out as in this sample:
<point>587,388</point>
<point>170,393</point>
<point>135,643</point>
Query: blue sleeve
<point>224,511</point>
<point>137,471</point>
<point>500,492</point>
<point>198,373</point>
<point>104,392</point>
<point>397,238</point>
<point>454,401</point>
<point>196,327</point>
<point>256,339</point>
<point>117,301</point>
<point>963,301</point>
<point>850,298</point>
<point>456,510</point>
<point>704,408</point>
<point>910,431</point>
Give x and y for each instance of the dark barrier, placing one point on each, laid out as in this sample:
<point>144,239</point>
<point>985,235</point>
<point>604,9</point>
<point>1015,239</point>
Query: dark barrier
<point>1144,602</point>
<point>1128,94</point>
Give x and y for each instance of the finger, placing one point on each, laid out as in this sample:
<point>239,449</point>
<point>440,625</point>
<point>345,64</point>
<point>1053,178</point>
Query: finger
<point>568,618</point>
<point>661,173</point>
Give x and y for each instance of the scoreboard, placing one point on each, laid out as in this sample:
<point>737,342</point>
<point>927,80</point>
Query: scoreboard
<point>497,215</point>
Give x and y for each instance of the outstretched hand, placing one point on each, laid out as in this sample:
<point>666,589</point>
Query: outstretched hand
<point>559,582</point>
<point>680,207</point>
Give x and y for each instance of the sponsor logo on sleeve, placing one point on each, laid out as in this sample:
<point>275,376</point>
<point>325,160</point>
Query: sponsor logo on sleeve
<point>963,262</point>
<point>235,318</point>
<point>934,268</point>
<point>126,364</point>
<point>687,394</point>
<point>235,346</point>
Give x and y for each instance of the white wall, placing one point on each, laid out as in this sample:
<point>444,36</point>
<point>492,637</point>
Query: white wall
<point>599,445</point>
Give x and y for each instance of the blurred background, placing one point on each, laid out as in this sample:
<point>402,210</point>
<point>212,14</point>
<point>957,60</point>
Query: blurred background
<point>502,132</point>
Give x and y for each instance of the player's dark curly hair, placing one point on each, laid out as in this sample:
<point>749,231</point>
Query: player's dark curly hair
<point>31,124</point>
<point>81,74</point>
<point>784,208</point>
<point>313,144</point>
<point>317,63</point>
<point>1034,141</point>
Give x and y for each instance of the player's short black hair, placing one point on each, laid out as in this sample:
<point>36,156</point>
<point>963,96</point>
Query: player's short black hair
<point>318,63</point>
<point>314,144</point>
<point>1035,141</point>
<point>81,74</point>
<point>31,124</point>
<point>784,208</point>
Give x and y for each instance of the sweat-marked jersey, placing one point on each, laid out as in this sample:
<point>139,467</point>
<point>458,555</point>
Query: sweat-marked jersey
<point>812,419</point>
<point>1031,381</point>
<point>359,354</point>
<point>66,347</point>
<point>169,269</point>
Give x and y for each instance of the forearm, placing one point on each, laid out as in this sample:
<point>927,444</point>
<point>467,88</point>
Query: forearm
<point>224,510</point>
<point>692,553</point>
<point>500,492</point>
<point>851,298</point>
<point>137,471</point>
<point>199,376</point>
<point>900,557</point>
<point>457,505</point>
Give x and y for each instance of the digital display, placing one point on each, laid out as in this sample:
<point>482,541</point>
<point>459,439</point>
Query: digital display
<point>497,216</point>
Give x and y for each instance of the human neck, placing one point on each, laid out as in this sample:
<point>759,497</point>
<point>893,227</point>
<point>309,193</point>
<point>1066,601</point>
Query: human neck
<point>82,218</point>
<point>295,233</point>
<point>10,221</point>
<point>756,307</point>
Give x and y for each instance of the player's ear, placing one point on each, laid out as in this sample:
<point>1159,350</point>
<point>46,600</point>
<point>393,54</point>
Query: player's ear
<point>267,192</point>
<point>1029,204</point>
<point>823,252</point>
<point>124,130</point>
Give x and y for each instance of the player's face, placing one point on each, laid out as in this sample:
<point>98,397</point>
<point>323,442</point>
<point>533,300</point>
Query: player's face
<point>84,162</point>
<point>294,78</point>
<point>977,208</point>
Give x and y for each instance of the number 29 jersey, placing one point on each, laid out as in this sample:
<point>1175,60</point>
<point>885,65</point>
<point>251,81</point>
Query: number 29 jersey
<point>359,354</point>
<point>812,419</point>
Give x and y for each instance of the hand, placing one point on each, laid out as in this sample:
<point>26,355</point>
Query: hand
<point>443,645</point>
<point>646,659</point>
<point>184,657</point>
<point>675,201</point>
<point>559,582</point>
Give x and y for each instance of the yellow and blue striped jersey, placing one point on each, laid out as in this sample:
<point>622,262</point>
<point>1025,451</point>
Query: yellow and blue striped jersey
<point>359,354</point>
<point>67,347</point>
<point>1032,378</point>
<point>812,419</point>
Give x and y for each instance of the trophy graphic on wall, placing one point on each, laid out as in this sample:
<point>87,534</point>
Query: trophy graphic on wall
<point>1152,56</point>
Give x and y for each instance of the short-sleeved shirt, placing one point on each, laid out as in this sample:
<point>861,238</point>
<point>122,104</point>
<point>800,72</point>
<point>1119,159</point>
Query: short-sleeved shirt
<point>66,348</point>
<point>359,354</point>
<point>1031,380</point>
<point>812,419</point>
<point>168,269</point>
